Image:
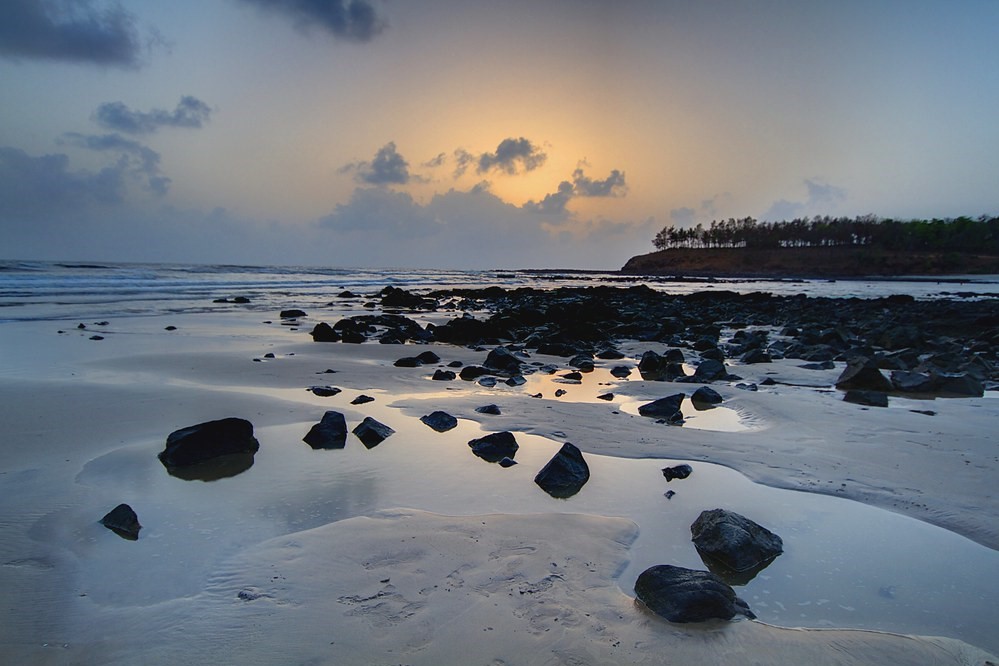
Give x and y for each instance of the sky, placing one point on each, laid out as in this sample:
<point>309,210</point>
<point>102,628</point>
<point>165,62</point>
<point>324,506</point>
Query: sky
<point>478,134</point>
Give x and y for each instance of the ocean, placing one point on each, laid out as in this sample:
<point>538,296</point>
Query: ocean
<point>35,290</point>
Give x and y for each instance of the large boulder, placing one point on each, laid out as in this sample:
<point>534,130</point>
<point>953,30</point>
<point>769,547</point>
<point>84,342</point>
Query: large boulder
<point>207,441</point>
<point>122,521</point>
<point>329,433</point>
<point>734,541</point>
<point>706,396</point>
<point>495,447</point>
<point>862,373</point>
<point>664,408</point>
<point>565,474</point>
<point>502,360</point>
<point>323,332</point>
<point>687,595</point>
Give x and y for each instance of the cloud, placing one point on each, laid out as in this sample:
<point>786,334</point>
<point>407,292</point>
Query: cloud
<point>436,161</point>
<point>33,188</point>
<point>511,154</point>
<point>190,112</point>
<point>683,217</point>
<point>581,186</point>
<point>69,30</point>
<point>822,199</point>
<point>134,158</point>
<point>387,168</point>
<point>354,20</point>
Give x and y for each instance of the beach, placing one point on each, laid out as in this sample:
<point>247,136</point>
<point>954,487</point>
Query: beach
<point>414,551</point>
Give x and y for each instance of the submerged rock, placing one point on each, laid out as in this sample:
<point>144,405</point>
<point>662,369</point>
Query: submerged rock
<point>122,521</point>
<point>329,433</point>
<point>687,595</point>
<point>735,542</point>
<point>371,432</point>
<point>495,447</point>
<point>440,421</point>
<point>565,474</point>
<point>206,441</point>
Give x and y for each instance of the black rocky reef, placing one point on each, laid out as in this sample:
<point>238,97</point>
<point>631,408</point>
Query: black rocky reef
<point>952,345</point>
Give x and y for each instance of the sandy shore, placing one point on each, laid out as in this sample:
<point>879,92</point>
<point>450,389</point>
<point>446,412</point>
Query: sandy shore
<point>416,552</point>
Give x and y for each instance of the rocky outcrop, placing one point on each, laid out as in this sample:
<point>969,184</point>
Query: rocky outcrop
<point>565,474</point>
<point>687,595</point>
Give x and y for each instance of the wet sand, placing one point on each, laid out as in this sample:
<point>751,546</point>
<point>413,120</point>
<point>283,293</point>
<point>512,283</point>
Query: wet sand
<point>417,552</point>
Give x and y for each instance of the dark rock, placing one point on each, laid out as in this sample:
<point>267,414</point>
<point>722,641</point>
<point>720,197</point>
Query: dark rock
<point>440,421</point>
<point>292,314</point>
<point>769,381</point>
<point>713,354</point>
<point>663,408</point>
<point>652,367</point>
<point>557,349</point>
<point>471,372</point>
<point>734,541</point>
<point>747,387</point>
<point>353,337</point>
<point>609,354</point>
<point>495,447</point>
<point>824,365</point>
<point>269,355</point>
<point>329,433</point>
<point>677,472</point>
<point>869,398</point>
<point>429,357</point>
<point>443,375</point>
<point>487,382</point>
<point>507,462</point>
<point>205,441</point>
<point>346,293</point>
<point>565,474</point>
<point>362,399</point>
<point>516,380</point>
<point>583,362</point>
<point>494,410</point>
<point>708,370</point>
<point>96,337</point>
<point>241,299</point>
<point>323,332</point>
<point>706,395</point>
<point>756,356</point>
<point>606,396</point>
<point>408,362</point>
<point>620,371</point>
<point>862,373</point>
<point>170,328</point>
<point>503,360</point>
<point>371,432</point>
<point>455,364</point>
<point>400,298</point>
<point>573,377</point>
<point>686,595</point>
<point>957,385</point>
<point>122,521</point>
<point>324,391</point>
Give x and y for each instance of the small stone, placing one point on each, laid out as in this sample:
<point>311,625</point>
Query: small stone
<point>122,521</point>
<point>440,421</point>
<point>493,410</point>
<point>495,447</point>
<point>329,433</point>
<point>324,391</point>
<point>677,472</point>
<point>362,399</point>
<point>371,432</point>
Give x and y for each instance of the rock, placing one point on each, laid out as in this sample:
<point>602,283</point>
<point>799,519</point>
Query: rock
<point>329,433</point>
<point>495,447</point>
<point>869,398</point>
<point>494,410</point>
<point>565,474</point>
<point>824,365</point>
<point>862,373</point>
<point>443,375</point>
<point>472,372</point>
<point>557,349</point>
<point>706,395</point>
<point>574,377</point>
<point>516,380</point>
<point>323,332</point>
<point>663,408</point>
<point>652,367</point>
<point>324,391</point>
<point>240,299</point>
<point>371,432</point>
<point>677,472</point>
<point>708,370</point>
<point>606,396</point>
<point>440,421</point>
<point>206,441</point>
<point>620,371</point>
<point>428,357</point>
<point>503,360</point>
<point>734,541</point>
<point>362,399</point>
<point>583,362</point>
<point>747,387</point>
<point>756,356</point>
<point>292,314</point>
<point>408,362</point>
<point>686,595</point>
<point>170,328</point>
<point>507,462</point>
<point>609,354</point>
<point>122,521</point>
<point>487,382</point>
<point>954,384</point>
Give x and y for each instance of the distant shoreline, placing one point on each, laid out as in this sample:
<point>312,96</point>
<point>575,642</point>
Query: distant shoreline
<point>808,263</point>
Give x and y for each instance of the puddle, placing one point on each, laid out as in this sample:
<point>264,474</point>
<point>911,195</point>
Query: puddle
<point>845,564</point>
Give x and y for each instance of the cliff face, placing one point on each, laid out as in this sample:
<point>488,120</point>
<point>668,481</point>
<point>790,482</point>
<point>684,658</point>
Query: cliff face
<point>815,262</point>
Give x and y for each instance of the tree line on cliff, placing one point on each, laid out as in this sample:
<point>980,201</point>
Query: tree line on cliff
<point>961,234</point>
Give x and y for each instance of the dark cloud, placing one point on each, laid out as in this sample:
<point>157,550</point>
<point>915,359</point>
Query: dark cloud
<point>462,159</point>
<point>387,168</point>
<point>190,112</point>
<point>133,158</point>
<point>511,154</point>
<point>33,187</point>
<point>81,31</point>
<point>612,186</point>
<point>581,186</point>
<point>436,161</point>
<point>354,20</point>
